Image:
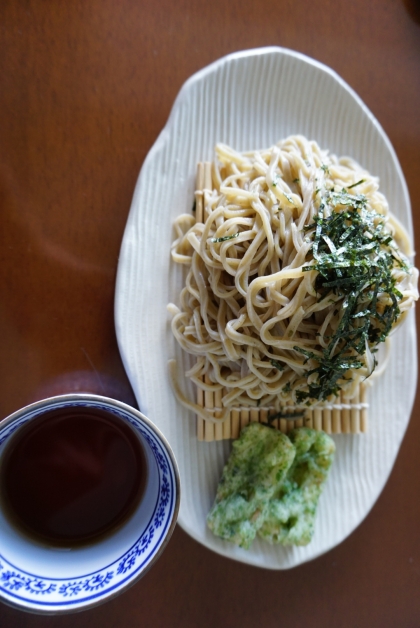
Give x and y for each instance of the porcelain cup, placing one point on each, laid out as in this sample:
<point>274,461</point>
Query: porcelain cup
<point>46,580</point>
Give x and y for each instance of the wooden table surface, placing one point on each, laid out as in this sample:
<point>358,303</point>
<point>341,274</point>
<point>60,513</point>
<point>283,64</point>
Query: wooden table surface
<point>85,88</point>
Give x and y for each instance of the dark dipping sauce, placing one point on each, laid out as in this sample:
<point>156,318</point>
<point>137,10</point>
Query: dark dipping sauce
<point>72,477</point>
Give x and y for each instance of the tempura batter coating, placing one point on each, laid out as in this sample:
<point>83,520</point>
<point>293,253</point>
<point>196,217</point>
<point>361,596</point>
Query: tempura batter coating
<point>255,471</point>
<point>290,517</point>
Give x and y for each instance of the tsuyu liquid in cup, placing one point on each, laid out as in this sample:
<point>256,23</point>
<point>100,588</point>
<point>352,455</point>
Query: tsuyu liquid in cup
<point>72,476</point>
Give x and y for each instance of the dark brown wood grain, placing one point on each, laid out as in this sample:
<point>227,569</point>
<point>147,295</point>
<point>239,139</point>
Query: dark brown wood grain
<point>85,88</point>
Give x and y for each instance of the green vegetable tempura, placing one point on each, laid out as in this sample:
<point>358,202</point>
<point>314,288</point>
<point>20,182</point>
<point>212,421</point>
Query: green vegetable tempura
<point>271,485</point>
<point>255,471</point>
<point>290,519</point>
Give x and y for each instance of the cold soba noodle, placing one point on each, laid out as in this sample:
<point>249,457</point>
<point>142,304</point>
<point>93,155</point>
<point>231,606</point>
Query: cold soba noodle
<point>297,273</point>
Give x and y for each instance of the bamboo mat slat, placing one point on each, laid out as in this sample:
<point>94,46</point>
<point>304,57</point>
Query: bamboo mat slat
<point>350,418</point>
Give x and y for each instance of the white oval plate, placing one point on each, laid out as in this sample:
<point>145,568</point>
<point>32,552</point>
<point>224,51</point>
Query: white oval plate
<point>251,100</point>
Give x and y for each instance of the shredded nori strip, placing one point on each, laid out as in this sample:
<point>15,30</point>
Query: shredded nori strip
<point>278,365</point>
<point>290,416</point>
<point>224,238</point>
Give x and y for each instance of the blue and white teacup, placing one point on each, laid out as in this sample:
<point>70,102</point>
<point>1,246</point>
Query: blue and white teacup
<point>49,580</point>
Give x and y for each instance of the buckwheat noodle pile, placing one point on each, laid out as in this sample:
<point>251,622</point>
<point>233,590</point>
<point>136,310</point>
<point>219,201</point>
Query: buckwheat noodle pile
<point>297,272</point>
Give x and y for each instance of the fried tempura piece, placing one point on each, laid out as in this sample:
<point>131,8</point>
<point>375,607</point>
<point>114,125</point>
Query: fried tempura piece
<point>291,512</point>
<point>255,471</point>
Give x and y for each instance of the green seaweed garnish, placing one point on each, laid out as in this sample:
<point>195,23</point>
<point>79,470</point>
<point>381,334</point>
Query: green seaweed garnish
<point>290,416</point>
<point>278,365</point>
<point>355,184</point>
<point>354,256</point>
<point>224,238</point>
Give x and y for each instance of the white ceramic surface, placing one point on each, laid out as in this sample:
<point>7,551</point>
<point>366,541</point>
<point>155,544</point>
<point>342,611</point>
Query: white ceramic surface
<point>48,580</point>
<point>251,100</point>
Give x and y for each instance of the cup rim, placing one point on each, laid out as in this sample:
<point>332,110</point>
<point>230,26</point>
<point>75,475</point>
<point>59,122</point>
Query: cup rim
<point>94,398</point>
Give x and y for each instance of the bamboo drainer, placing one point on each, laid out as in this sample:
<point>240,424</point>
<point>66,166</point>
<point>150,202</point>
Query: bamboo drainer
<point>344,416</point>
